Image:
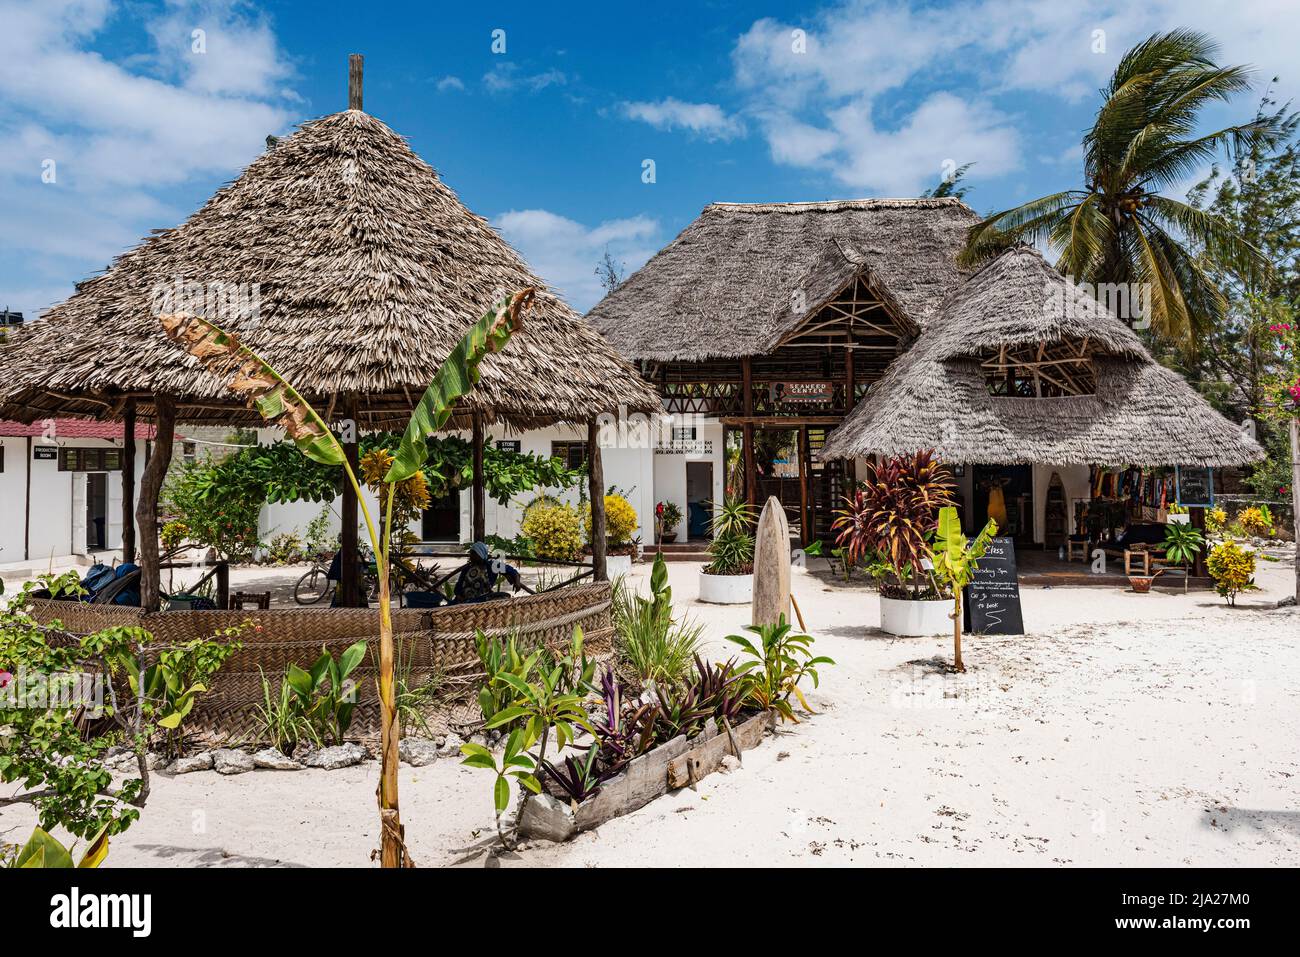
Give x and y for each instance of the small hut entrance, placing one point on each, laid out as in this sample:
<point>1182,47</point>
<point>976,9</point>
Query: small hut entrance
<point>1005,493</point>
<point>699,495</point>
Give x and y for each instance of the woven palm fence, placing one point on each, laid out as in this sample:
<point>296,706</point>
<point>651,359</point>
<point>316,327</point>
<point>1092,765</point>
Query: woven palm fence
<point>433,643</point>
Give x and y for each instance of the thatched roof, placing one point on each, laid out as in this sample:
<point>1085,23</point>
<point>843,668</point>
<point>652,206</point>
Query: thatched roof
<point>725,286</point>
<point>935,395</point>
<point>368,269</point>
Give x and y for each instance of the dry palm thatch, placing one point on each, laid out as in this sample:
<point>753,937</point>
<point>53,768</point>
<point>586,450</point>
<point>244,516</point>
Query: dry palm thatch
<point>938,395</point>
<point>341,258</point>
<point>744,275</point>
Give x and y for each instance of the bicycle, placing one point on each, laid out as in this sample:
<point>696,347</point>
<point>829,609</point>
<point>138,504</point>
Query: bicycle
<point>316,585</point>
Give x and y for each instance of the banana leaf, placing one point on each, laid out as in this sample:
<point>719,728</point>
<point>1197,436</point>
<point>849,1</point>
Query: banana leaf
<point>456,378</point>
<point>247,374</point>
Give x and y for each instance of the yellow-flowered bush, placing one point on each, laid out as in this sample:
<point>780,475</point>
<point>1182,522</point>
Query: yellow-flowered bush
<point>620,521</point>
<point>1232,568</point>
<point>1215,519</point>
<point>554,529</point>
<point>1256,520</point>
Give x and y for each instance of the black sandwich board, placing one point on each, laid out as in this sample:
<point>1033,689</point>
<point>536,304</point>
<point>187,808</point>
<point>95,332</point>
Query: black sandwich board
<point>992,599</point>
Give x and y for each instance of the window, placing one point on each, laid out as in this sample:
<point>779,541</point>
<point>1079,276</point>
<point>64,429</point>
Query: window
<point>90,460</point>
<point>574,454</point>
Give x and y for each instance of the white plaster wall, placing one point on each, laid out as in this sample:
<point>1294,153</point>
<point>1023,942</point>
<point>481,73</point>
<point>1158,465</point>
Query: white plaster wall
<point>670,469</point>
<point>51,503</point>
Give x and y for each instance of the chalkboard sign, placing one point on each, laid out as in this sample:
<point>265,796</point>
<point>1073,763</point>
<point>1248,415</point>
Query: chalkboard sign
<point>1195,486</point>
<point>992,599</point>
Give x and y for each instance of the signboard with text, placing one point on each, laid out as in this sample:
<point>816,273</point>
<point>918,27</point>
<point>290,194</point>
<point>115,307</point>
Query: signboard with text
<point>992,599</point>
<point>802,392</point>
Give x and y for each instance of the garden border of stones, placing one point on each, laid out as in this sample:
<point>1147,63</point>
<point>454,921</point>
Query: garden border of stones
<point>415,751</point>
<point>681,762</point>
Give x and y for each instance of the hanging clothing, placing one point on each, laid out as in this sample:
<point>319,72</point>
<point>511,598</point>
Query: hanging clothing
<point>998,506</point>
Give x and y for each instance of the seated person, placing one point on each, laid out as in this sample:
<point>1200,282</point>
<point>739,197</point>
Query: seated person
<point>478,578</point>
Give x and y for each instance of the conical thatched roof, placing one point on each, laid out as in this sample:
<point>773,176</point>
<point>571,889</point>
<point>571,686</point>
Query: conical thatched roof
<point>367,270</point>
<point>725,286</point>
<point>935,396</point>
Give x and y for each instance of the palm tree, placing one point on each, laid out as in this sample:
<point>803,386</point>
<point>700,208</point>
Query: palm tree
<point>1119,228</point>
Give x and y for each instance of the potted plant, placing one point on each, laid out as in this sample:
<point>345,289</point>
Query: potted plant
<point>893,514</point>
<point>728,579</point>
<point>667,517</point>
<point>1183,542</point>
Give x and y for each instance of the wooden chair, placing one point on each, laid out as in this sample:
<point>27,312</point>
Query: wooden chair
<point>261,600</point>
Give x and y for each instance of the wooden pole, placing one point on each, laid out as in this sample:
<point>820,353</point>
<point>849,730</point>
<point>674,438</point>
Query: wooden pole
<point>146,512</point>
<point>27,507</point>
<point>851,401</point>
<point>805,466</point>
<point>596,488</point>
<point>349,565</point>
<point>1295,496</point>
<point>479,496</point>
<point>356,64</point>
<point>747,436</point>
<point>128,481</point>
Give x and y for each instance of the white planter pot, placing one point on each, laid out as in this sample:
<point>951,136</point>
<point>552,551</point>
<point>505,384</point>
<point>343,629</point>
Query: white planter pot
<point>915,618</point>
<point>726,589</point>
<point>616,565</point>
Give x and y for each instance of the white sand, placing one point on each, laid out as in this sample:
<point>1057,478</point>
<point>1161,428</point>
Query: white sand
<point>1125,730</point>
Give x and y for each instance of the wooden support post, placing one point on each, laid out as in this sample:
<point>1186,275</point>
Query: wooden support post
<point>805,512</point>
<point>356,63</point>
<point>480,499</point>
<point>128,481</point>
<point>146,512</point>
<point>223,584</point>
<point>747,405</point>
<point>349,559</point>
<point>851,401</point>
<point>1196,518</point>
<point>596,489</point>
<point>27,506</point>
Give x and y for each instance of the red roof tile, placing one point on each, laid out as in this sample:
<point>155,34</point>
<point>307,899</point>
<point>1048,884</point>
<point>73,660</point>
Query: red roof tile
<point>72,429</point>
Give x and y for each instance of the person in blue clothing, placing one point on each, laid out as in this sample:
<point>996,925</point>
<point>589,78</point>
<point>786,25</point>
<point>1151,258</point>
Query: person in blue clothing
<point>478,579</point>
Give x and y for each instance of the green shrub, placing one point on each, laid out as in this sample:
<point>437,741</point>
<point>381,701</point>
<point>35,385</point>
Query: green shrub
<point>620,521</point>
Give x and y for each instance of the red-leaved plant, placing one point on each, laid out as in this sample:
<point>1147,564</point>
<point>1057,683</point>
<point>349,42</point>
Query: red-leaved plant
<point>892,514</point>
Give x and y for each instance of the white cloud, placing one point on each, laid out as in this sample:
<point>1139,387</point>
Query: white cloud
<point>565,253</point>
<point>879,93</point>
<point>508,77</point>
<point>119,134</point>
<point>706,119</point>
<point>450,83</point>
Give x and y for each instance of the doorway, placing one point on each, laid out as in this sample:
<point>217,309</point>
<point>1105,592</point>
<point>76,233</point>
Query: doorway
<point>441,520</point>
<point>96,511</point>
<point>699,495</point>
<point>1009,489</point>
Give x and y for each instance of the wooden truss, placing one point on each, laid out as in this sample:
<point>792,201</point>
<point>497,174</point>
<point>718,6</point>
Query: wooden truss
<point>1048,369</point>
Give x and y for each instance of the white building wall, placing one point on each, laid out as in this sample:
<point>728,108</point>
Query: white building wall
<point>53,494</point>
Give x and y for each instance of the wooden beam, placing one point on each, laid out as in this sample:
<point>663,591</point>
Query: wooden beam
<point>805,466</point>
<point>146,513</point>
<point>596,489</point>
<point>356,65</point>
<point>779,421</point>
<point>479,496</point>
<point>128,481</point>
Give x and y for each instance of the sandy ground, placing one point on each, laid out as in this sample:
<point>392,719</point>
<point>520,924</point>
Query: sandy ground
<point>1124,730</point>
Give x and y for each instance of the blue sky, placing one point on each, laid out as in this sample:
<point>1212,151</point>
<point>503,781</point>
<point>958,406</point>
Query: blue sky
<point>548,139</point>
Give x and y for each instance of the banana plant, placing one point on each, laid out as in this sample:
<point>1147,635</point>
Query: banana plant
<point>248,375</point>
<point>956,559</point>
<point>44,851</point>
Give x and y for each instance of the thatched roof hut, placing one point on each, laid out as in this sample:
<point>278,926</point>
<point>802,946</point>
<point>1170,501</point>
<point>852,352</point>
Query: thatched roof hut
<point>344,260</point>
<point>743,276</point>
<point>1019,365</point>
